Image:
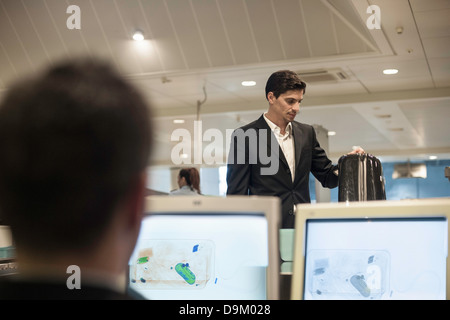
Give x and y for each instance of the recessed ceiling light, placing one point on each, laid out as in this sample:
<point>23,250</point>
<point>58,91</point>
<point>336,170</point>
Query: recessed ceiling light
<point>248,83</point>
<point>432,157</point>
<point>390,71</point>
<point>178,121</point>
<point>331,133</point>
<point>138,36</point>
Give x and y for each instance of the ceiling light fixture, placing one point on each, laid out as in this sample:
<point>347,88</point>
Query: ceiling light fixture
<point>390,71</point>
<point>138,35</point>
<point>432,157</point>
<point>248,83</point>
<point>179,121</point>
<point>331,133</point>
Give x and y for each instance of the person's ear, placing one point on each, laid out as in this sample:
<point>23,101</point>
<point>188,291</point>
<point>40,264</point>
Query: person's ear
<point>136,200</point>
<point>271,97</point>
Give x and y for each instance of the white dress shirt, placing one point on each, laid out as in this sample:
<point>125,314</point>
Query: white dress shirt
<point>286,142</point>
<point>183,191</point>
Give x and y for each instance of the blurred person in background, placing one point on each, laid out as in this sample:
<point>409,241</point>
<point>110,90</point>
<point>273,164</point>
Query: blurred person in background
<point>188,183</point>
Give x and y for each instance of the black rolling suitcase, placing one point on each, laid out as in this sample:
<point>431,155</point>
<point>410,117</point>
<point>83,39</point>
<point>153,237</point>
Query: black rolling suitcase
<point>360,178</point>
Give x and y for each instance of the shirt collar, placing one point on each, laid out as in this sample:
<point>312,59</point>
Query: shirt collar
<point>276,129</point>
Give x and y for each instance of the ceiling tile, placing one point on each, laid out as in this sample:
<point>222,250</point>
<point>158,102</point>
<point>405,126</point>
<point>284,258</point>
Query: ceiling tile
<point>237,27</point>
<point>265,30</point>
<point>188,34</point>
<point>438,47</point>
<point>433,23</point>
<point>214,34</point>
<point>165,37</point>
<point>319,19</point>
<point>293,34</point>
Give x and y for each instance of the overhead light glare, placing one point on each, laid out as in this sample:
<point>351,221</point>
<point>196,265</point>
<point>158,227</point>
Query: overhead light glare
<point>390,71</point>
<point>178,121</point>
<point>138,36</point>
<point>432,157</point>
<point>248,83</point>
<point>331,133</point>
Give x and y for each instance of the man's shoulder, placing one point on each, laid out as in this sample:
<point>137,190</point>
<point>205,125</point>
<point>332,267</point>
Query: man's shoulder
<point>14,288</point>
<point>259,123</point>
<point>251,125</point>
<point>301,125</point>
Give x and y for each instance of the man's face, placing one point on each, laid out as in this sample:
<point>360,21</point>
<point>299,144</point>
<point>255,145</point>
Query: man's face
<point>287,105</point>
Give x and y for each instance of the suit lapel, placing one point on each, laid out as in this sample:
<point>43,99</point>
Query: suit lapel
<point>262,124</point>
<point>298,143</point>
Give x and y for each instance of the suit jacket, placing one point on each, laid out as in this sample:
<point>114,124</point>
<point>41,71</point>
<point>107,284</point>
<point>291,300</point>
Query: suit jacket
<point>13,287</point>
<point>257,166</point>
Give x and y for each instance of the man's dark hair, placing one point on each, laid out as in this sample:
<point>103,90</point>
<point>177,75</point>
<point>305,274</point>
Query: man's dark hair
<point>72,140</point>
<point>282,81</point>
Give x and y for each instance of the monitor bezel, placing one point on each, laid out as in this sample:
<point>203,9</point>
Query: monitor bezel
<point>234,204</point>
<point>377,209</point>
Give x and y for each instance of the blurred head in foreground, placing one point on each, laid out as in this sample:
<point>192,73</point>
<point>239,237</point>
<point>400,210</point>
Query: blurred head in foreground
<point>75,142</point>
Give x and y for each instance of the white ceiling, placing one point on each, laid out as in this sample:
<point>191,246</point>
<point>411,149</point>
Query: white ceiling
<point>198,46</point>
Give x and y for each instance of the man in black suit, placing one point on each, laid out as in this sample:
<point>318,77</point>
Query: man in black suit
<point>274,155</point>
<point>75,144</point>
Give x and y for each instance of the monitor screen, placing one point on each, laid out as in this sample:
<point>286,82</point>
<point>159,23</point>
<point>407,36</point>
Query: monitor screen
<point>7,250</point>
<point>382,250</point>
<point>207,248</point>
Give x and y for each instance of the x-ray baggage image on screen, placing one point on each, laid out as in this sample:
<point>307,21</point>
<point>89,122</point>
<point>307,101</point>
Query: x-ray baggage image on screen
<point>382,259</point>
<point>368,251</point>
<point>172,264</point>
<point>225,251</point>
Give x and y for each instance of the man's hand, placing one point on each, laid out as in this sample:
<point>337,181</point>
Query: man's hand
<point>356,149</point>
